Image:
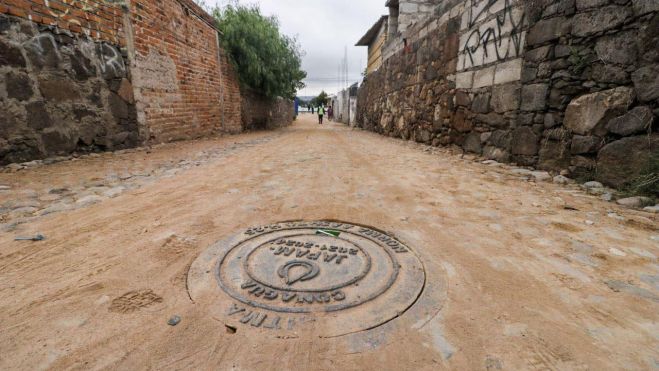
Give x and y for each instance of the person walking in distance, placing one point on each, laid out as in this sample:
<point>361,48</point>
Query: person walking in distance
<point>330,113</point>
<point>321,113</point>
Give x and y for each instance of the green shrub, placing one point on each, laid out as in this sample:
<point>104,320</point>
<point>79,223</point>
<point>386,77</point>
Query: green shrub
<point>267,61</point>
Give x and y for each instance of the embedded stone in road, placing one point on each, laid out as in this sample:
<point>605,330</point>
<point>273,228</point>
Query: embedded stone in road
<point>338,277</point>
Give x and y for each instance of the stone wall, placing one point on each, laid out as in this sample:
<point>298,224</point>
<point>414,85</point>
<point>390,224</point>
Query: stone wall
<point>595,64</point>
<point>261,113</point>
<point>61,92</point>
<point>87,75</point>
<point>560,85</point>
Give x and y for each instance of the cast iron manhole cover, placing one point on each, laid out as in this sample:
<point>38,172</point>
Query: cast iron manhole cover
<point>336,278</point>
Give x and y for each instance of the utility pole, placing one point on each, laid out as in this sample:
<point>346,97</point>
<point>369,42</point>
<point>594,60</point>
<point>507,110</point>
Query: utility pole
<point>345,67</point>
<point>338,79</point>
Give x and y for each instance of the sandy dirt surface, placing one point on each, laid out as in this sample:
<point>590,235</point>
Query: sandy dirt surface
<point>538,276</point>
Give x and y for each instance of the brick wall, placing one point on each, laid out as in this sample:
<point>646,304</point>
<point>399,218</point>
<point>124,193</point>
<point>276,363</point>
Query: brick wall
<point>101,20</point>
<point>177,71</point>
<point>560,85</point>
<point>231,98</point>
<point>260,113</point>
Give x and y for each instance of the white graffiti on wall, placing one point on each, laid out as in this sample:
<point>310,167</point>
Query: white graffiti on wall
<point>42,43</point>
<point>108,58</point>
<point>498,39</point>
<point>112,61</point>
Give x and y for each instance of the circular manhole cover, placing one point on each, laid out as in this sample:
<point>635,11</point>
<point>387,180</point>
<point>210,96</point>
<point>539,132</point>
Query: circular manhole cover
<point>336,278</point>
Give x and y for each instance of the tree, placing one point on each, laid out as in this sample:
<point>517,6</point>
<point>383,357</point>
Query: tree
<point>320,99</point>
<point>266,60</point>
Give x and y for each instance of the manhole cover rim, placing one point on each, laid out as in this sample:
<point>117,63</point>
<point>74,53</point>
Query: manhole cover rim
<point>203,287</point>
<point>334,308</point>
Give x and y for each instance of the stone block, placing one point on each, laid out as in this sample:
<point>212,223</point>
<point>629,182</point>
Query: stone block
<point>462,99</point>
<point>584,165</point>
<point>538,54</point>
<point>646,82</point>
<point>118,106</point>
<point>636,121</point>
<point>493,119</point>
<point>82,66</point>
<point>609,73</point>
<point>529,74</point>
<point>58,89</point>
<point>585,144</point>
<point>586,4</point>
<point>591,112</point>
<point>406,7</point>
<point>125,91</point>
<point>508,72</point>
<point>10,55</point>
<point>599,20</point>
<point>547,30</point>
<point>645,6</point>
<point>481,103</point>
<point>506,97</point>
<point>524,142</point>
<point>12,120</point>
<point>37,115</point>
<point>534,97</point>
<point>484,77</point>
<point>624,160</point>
<point>112,66</point>
<point>464,80</point>
<point>423,135</point>
<point>461,123</point>
<point>55,142</point>
<point>472,143</point>
<point>19,86</point>
<point>550,120</point>
<point>554,155</point>
<point>620,48</point>
<point>43,51</point>
<point>649,40</point>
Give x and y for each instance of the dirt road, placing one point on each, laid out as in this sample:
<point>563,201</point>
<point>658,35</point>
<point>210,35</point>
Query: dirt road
<point>523,275</point>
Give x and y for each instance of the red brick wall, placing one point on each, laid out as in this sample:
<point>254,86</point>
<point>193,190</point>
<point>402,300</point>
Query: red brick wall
<point>98,19</point>
<point>182,88</point>
<point>261,113</point>
<point>232,99</point>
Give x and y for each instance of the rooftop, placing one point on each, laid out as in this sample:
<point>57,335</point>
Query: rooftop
<point>367,39</point>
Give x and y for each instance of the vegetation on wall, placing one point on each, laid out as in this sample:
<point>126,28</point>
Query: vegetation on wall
<point>647,183</point>
<point>267,61</point>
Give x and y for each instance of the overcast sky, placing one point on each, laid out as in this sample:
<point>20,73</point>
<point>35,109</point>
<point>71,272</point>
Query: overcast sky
<point>324,28</point>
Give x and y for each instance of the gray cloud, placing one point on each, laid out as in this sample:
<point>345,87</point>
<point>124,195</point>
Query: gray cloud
<point>324,28</point>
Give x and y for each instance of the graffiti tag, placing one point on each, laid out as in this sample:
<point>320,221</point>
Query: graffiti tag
<point>496,40</point>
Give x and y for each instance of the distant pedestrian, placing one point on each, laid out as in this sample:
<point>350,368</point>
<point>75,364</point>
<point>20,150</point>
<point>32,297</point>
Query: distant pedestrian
<point>321,113</point>
<point>330,113</point>
<point>312,110</point>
